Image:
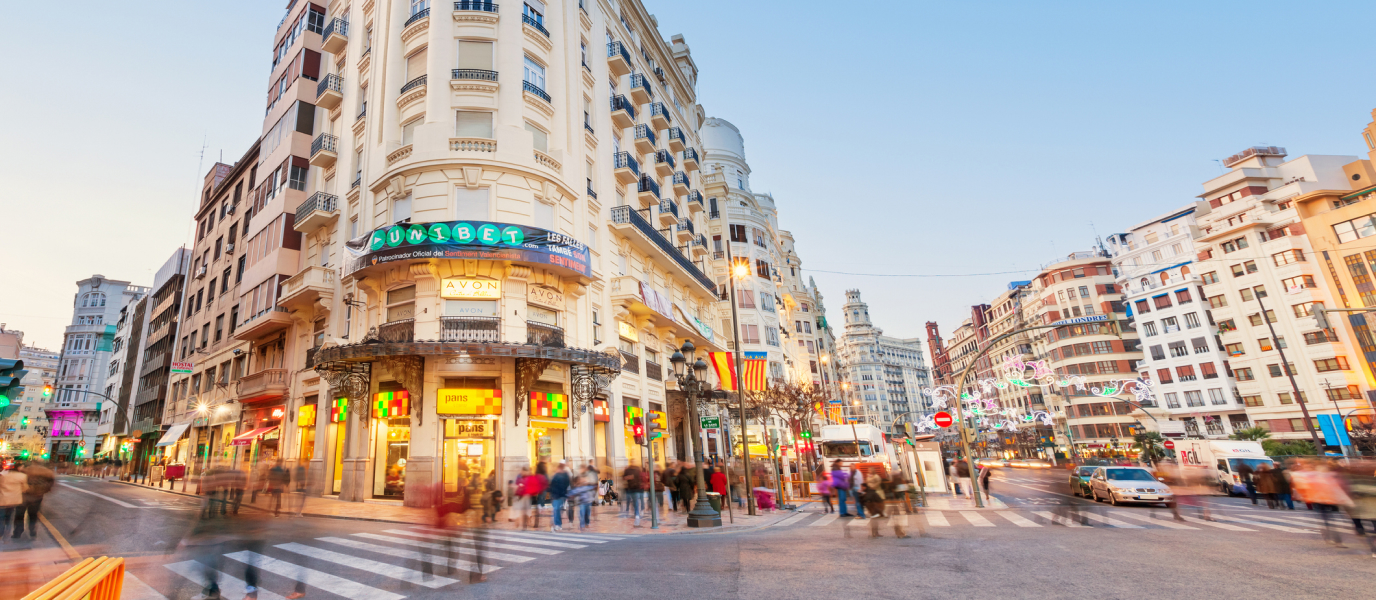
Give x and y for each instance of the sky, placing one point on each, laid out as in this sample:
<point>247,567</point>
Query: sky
<point>973,139</point>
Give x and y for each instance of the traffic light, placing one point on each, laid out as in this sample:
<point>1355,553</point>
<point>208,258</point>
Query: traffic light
<point>24,421</point>
<point>655,427</point>
<point>47,391</point>
<point>24,454</point>
<point>1320,317</point>
<point>11,385</point>
<point>638,430</point>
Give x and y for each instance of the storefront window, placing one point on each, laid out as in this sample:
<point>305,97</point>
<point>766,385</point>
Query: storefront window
<point>549,409</point>
<point>305,427</point>
<point>392,438</point>
<point>470,408</point>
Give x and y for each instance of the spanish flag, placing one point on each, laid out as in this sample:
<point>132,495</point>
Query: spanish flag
<point>725,367</point>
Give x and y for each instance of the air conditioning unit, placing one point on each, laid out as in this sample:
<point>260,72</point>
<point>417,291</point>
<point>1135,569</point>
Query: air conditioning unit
<point>231,209</point>
<point>200,272</point>
<point>229,248</point>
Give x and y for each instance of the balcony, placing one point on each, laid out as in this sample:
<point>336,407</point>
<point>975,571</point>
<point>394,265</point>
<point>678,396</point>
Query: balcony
<point>690,159</point>
<point>478,80</point>
<point>659,116</point>
<point>304,288</point>
<point>540,334</point>
<point>623,112</point>
<point>534,24</point>
<point>676,140</point>
<point>476,5</point>
<point>684,230</point>
<point>647,191</point>
<point>664,163</point>
<point>535,90</point>
<point>471,329</point>
<point>654,371</point>
<point>419,16</point>
<point>336,36</point>
<point>651,241</point>
<point>418,82</point>
<point>329,92</point>
<point>644,139</point>
<point>694,202</point>
<point>668,213</point>
<point>618,59</point>
<point>630,363</point>
<point>263,385</point>
<point>680,184</point>
<point>316,211</point>
<point>626,169</point>
<point>699,246</point>
<point>264,323</point>
<point>399,331</point>
<point>324,151</point>
<point>640,89</point>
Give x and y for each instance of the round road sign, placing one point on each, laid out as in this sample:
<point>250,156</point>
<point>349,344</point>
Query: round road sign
<point>1170,445</point>
<point>943,419</point>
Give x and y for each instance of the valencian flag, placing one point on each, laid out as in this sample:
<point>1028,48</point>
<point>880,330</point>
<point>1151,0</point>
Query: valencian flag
<point>753,377</point>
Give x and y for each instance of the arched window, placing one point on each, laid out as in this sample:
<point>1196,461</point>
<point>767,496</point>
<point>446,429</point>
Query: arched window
<point>1184,271</point>
<point>1146,283</point>
<point>1165,277</point>
<point>93,300</point>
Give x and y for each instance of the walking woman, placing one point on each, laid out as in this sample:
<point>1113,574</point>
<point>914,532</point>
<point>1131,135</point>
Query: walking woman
<point>824,490</point>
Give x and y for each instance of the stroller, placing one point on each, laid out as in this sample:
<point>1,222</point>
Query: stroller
<point>607,492</point>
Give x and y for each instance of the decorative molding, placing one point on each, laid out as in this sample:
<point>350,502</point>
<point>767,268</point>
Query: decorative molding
<point>538,38</point>
<point>585,20</point>
<point>473,85</point>
<point>359,124</point>
<point>365,62</point>
<point>398,154</point>
<point>367,7</point>
<point>539,104</point>
<point>527,371</point>
<point>329,173</point>
<point>352,196</point>
<point>415,95</point>
<point>472,145</point>
<point>548,162</point>
<point>589,80</point>
<point>472,176</point>
<point>590,139</point>
<point>410,372</point>
<point>415,29</point>
<point>468,360</point>
<point>520,272</point>
<point>475,16</point>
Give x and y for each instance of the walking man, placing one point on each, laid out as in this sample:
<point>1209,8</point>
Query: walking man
<point>559,494</point>
<point>40,482</point>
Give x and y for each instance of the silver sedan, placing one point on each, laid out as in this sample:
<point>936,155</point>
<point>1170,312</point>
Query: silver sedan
<point>1119,485</point>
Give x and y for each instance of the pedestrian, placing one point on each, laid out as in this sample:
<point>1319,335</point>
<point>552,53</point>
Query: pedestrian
<point>718,485</point>
<point>840,481</point>
<point>1265,478</point>
<point>491,498</point>
<point>260,481</point>
<point>955,479</point>
<point>1360,482</point>
<point>39,481</point>
<point>872,494</point>
<point>1316,483</point>
<point>857,480</point>
<point>279,478</point>
<point>521,497</point>
<point>670,478</point>
<point>559,494</point>
<point>823,486</point>
<point>13,484</point>
<point>687,485</point>
<point>963,476</point>
<point>633,479</point>
<point>1281,479</point>
<point>583,492</point>
<point>1244,474</point>
<point>984,477</point>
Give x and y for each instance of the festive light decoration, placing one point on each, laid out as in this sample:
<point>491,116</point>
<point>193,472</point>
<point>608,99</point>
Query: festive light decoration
<point>339,410</point>
<point>390,405</point>
<point>550,405</point>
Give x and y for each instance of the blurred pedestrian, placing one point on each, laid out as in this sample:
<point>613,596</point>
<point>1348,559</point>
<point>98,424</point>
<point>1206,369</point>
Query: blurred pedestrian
<point>857,481</point>
<point>1281,479</point>
<point>278,480</point>
<point>872,495</point>
<point>38,482</point>
<point>558,494</point>
<point>633,480</point>
<point>260,481</point>
<point>824,490</point>
<point>1315,482</point>
<point>1265,478</point>
<point>840,481</point>
<point>687,484</point>
<point>985,474</point>
<point>13,484</point>
<point>521,497</point>
<point>963,476</point>
<point>1245,474</point>
<point>583,493</point>
<point>491,499</point>
<point>670,479</point>
<point>298,479</point>
<point>1361,489</point>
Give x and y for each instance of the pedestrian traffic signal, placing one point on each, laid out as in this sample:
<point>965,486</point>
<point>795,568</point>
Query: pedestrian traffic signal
<point>638,430</point>
<point>11,385</point>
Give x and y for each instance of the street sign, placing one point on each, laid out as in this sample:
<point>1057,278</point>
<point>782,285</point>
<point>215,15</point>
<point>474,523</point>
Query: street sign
<point>943,419</point>
<point>1170,445</point>
<point>711,423</point>
<point>1078,320</point>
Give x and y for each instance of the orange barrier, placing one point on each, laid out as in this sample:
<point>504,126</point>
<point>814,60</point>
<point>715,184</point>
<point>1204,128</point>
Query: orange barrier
<point>91,579</point>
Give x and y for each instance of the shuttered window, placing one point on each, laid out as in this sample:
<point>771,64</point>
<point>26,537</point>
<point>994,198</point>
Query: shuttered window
<point>475,55</point>
<point>540,138</point>
<point>415,65</point>
<point>473,124</point>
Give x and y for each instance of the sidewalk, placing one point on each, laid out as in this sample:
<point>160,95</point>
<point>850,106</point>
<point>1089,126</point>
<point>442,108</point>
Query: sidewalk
<point>605,519</point>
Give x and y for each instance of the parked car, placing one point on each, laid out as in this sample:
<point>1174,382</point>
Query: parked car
<point>1079,481</point>
<point>1119,485</point>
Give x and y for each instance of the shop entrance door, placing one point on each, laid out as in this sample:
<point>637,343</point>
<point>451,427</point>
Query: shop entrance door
<point>470,455</point>
<point>392,450</point>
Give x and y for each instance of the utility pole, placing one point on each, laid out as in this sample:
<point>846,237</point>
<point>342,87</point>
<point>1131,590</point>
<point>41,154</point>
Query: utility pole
<point>740,390</point>
<point>1290,373</point>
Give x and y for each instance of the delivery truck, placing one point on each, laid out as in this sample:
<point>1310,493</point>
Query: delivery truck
<point>1219,460</point>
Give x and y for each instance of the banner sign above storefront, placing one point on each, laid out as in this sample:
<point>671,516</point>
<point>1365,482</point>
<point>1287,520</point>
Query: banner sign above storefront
<point>305,416</point>
<point>627,330</point>
<point>600,412</point>
<point>477,240</point>
<point>547,297</point>
<point>390,405</point>
<point>462,428</point>
<point>463,401</point>
<point>462,288</point>
<point>339,410</point>
<point>550,405</point>
<point>1079,320</point>
<point>182,367</point>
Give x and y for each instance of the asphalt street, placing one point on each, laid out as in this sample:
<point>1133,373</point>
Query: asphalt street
<point>1025,551</point>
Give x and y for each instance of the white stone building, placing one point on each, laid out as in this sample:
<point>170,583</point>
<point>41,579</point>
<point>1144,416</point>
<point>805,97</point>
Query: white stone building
<point>885,374</point>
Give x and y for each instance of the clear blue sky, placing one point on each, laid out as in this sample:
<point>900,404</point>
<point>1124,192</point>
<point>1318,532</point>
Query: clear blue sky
<point>896,137</point>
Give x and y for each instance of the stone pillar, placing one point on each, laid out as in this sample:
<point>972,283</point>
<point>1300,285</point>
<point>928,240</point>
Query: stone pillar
<point>423,466</point>
<point>515,449</point>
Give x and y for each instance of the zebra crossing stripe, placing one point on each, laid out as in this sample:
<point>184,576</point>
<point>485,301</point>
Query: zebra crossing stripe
<point>935,518</point>
<point>1110,521</point>
<point>364,564</point>
<point>230,587</point>
<point>1055,518</point>
<point>452,548</point>
<point>1018,519</point>
<point>825,520</point>
<point>1167,523</point>
<point>1291,520</point>
<point>495,535</point>
<point>791,520</point>
<point>135,589</point>
<point>578,537</point>
<point>1266,525</point>
<point>1226,526</point>
<point>338,586</point>
<point>411,554</point>
<point>486,543</point>
<point>975,518</point>
<point>856,522</point>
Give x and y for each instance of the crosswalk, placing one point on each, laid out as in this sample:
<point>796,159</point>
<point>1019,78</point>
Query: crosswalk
<point>1101,517</point>
<point>372,565</point>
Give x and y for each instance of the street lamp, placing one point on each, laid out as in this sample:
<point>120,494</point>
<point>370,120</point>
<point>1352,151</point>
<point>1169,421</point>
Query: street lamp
<point>695,388</point>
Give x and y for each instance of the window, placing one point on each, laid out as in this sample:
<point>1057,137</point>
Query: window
<point>1170,325</point>
<point>473,124</point>
<point>761,269</point>
<point>1186,372</point>
<point>219,328</point>
<point>1252,401</point>
<point>1286,398</point>
<point>1238,271</point>
<point>767,302</point>
<point>1265,344</point>
<point>1274,370</point>
<point>1172,400</point>
<point>747,298</point>
<point>1297,283</point>
<point>475,54</point>
<point>539,137</point>
<point>544,215</point>
<point>1164,375</point>
<point>1178,349</point>
<point>470,204</point>
<point>1183,297</point>
<point>1218,301</point>
<point>1194,399</point>
<point>1157,353</point>
<point>771,336</point>
<point>1191,320</point>
<point>408,131</point>
<point>751,334</point>
<point>534,73</point>
<point>1162,301</point>
<point>1234,245</point>
<point>1149,329</point>
<point>401,304</point>
<point>1288,257</point>
<point>1141,307</point>
<point>1201,345</point>
<point>1210,277</point>
<point>1234,349</point>
<point>401,209</point>
<point>1355,229</point>
<point>1305,309</point>
<point>1338,363</point>
<point>1243,374</point>
<point>1317,337</point>
<point>1208,370</point>
<point>1344,393</point>
<point>1260,291</point>
<point>738,233</point>
<point>1246,294</point>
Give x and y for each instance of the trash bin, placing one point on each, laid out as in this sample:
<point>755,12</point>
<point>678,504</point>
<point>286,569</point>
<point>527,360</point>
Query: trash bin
<point>714,499</point>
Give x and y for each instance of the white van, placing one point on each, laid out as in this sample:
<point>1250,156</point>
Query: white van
<point>1220,460</point>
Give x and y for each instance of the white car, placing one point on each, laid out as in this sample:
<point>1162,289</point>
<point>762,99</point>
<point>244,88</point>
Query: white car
<point>1120,485</point>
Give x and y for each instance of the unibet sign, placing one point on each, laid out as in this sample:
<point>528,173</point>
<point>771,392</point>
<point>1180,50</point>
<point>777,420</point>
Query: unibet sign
<point>469,240</point>
<point>443,233</point>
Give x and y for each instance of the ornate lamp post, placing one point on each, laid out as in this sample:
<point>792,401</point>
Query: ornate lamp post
<point>695,388</point>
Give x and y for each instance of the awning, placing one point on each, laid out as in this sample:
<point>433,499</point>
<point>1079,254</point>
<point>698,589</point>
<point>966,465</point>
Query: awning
<point>173,434</point>
<point>549,423</point>
<point>247,437</point>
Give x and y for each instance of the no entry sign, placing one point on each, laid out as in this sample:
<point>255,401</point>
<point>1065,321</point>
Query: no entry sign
<point>943,419</point>
<point>1170,445</point>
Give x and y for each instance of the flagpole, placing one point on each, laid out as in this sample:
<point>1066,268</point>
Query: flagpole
<point>740,390</point>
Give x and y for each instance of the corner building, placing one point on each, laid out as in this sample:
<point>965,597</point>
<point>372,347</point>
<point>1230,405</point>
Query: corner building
<point>483,250</point>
